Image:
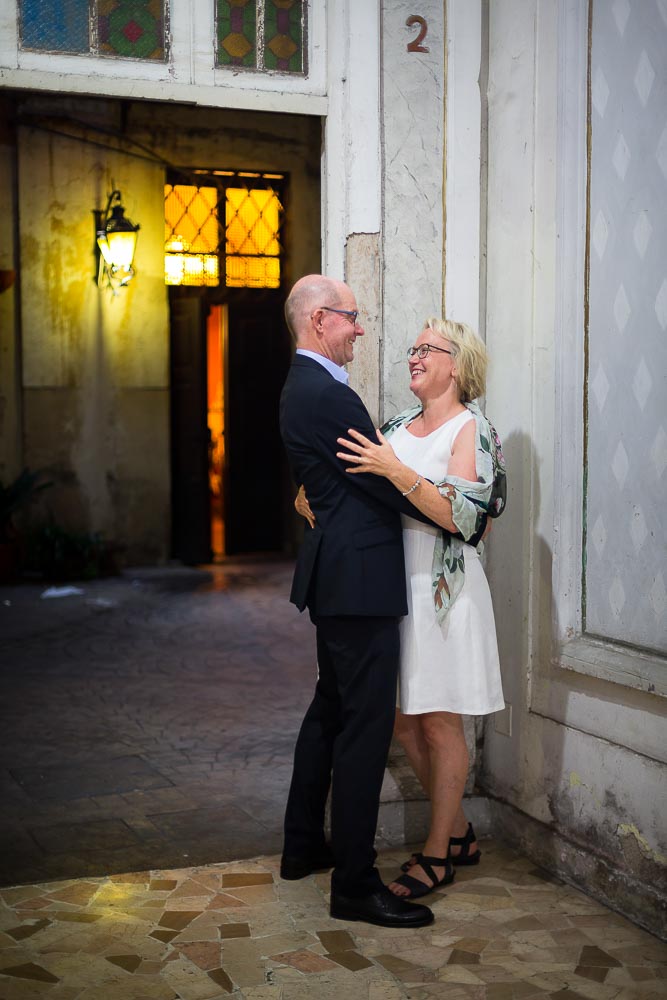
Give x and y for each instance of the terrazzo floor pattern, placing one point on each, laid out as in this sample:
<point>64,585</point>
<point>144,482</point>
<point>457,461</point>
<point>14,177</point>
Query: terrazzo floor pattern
<point>503,930</point>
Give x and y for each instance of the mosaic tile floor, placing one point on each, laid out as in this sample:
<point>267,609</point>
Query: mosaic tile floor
<point>504,930</point>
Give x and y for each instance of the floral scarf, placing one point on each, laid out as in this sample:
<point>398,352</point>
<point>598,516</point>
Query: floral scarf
<point>470,501</point>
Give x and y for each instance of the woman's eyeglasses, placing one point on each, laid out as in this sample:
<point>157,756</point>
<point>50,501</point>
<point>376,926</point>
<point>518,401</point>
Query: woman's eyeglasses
<point>425,349</point>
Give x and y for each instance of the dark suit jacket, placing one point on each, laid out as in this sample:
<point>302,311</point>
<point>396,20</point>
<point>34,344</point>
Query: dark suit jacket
<point>351,563</point>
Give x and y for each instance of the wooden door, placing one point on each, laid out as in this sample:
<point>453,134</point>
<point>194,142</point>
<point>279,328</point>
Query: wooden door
<point>189,432</point>
<point>258,359</point>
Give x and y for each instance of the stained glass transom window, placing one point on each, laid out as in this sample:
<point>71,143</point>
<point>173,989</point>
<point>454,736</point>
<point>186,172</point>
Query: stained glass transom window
<point>245,253</point>
<point>262,34</point>
<point>133,29</point>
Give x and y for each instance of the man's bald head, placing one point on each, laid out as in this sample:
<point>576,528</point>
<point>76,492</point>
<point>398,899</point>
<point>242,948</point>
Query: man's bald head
<point>308,294</point>
<point>322,314</point>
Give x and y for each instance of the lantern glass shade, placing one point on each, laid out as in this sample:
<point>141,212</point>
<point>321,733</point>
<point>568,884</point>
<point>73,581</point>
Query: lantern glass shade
<point>116,240</point>
<point>104,247</point>
<point>118,248</point>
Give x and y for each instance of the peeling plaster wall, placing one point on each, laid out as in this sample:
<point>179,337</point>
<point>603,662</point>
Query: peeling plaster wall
<point>95,368</point>
<point>580,783</point>
<point>10,392</point>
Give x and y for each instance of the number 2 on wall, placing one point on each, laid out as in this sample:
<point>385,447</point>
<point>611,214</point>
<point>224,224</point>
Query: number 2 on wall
<point>416,44</point>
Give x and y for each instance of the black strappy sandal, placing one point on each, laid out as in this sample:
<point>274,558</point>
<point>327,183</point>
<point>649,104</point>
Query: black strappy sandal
<point>418,888</point>
<point>465,857</point>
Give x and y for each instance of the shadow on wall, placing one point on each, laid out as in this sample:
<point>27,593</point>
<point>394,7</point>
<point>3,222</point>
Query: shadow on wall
<point>562,787</point>
<point>507,564</point>
<point>519,567</point>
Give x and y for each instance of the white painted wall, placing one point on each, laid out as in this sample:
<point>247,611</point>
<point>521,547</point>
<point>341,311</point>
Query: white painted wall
<point>626,541</point>
<point>585,756</point>
<point>463,162</point>
<point>351,181</point>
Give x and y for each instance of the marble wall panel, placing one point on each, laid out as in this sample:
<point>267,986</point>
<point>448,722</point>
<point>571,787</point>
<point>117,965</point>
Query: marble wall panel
<point>413,96</point>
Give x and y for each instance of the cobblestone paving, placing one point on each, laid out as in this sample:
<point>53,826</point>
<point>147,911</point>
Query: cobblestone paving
<point>150,721</point>
<point>503,930</point>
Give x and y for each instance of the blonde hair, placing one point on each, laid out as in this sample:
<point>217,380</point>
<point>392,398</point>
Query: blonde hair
<point>468,351</point>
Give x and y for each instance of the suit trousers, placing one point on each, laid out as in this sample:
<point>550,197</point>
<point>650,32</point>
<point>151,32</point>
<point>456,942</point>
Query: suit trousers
<point>343,744</point>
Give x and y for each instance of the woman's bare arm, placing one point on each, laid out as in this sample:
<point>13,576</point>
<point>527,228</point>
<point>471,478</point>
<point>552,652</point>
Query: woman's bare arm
<point>381,460</point>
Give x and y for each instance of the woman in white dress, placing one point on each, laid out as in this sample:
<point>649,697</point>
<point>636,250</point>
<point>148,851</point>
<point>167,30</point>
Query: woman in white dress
<point>449,660</point>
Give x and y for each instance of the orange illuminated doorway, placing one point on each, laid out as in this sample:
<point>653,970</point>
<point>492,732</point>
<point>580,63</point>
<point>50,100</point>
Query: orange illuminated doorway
<point>216,353</point>
<point>230,351</point>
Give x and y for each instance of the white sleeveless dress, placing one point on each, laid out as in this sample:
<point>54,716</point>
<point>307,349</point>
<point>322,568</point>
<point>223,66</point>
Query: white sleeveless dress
<point>452,667</point>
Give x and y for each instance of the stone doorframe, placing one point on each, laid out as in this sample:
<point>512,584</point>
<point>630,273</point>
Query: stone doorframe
<point>401,175</point>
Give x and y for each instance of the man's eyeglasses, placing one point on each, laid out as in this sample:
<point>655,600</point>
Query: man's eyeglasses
<point>351,314</point>
<point>425,349</point>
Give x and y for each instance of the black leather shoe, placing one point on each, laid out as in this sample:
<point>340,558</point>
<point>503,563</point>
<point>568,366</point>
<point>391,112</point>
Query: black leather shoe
<point>382,908</point>
<point>292,869</point>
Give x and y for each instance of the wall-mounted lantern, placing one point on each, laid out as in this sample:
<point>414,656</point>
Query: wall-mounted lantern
<point>116,240</point>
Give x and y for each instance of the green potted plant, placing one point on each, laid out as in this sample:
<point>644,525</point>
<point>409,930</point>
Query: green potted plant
<point>15,497</point>
<point>60,554</point>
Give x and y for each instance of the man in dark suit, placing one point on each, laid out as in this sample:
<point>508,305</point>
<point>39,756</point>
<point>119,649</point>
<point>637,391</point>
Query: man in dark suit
<point>350,574</point>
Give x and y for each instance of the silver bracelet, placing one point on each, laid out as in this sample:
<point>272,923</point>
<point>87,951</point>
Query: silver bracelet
<point>412,488</point>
